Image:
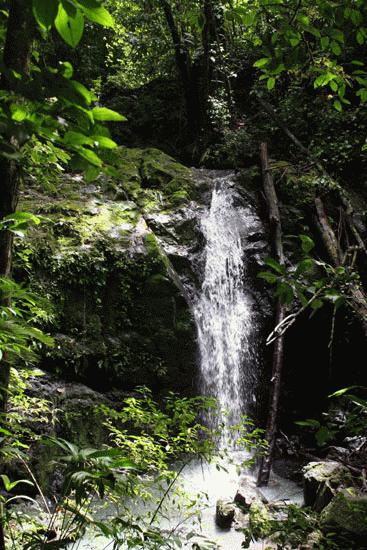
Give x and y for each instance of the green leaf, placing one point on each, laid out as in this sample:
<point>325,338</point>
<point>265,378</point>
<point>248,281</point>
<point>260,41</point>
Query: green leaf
<point>275,265</point>
<point>308,423</point>
<point>70,28</point>
<point>260,63</point>
<point>285,293</point>
<point>341,392</point>
<point>96,13</point>
<point>82,91</point>
<point>18,114</point>
<point>249,19</point>
<point>338,105</point>
<point>91,173</point>
<point>304,266</point>
<point>76,138</point>
<point>105,142</point>
<point>333,85</point>
<point>45,12</point>
<point>316,304</point>
<point>360,38</point>
<point>325,41</point>
<point>335,48</point>
<point>270,83</point>
<point>104,114</point>
<point>90,156</point>
<point>67,69</point>
<point>294,41</point>
<point>303,19</point>
<point>323,435</point>
<point>268,277</point>
<point>9,485</point>
<point>307,243</point>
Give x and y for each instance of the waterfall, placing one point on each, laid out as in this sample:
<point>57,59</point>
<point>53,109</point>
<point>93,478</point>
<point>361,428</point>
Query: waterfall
<point>223,309</point>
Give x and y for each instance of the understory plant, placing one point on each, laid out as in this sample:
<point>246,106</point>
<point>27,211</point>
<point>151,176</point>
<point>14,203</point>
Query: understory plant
<point>310,283</point>
<point>345,418</point>
<point>149,447</point>
<point>290,527</point>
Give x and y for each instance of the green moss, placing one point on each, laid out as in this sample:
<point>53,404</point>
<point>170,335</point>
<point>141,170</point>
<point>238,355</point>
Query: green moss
<point>149,177</point>
<point>154,250</point>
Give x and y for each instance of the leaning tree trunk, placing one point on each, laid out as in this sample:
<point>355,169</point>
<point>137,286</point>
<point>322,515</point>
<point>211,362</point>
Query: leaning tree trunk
<point>348,208</point>
<point>16,57</point>
<point>278,352</point>
<point>357,297</point>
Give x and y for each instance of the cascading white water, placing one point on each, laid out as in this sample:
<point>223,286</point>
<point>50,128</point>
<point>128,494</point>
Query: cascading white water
<point>223,309</point>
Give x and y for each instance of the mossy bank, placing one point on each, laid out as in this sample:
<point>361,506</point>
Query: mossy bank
<point>106,289</point>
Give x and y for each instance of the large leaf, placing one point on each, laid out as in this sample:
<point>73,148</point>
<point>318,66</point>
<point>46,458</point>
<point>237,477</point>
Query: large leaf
<point>90,156</point>
<point>102,113</point>
<point>105,142</point>
<point>307,243</point>
<point>82,91</point>
<point>69,27</point>
<point>76,138</point>
<point>96,13</point>
<point>275,265</point>
<point>45,12</point>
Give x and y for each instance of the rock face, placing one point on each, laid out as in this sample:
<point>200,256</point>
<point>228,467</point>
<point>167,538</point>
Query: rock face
<point>347,512</point>
<point>119,316</point>
<point>117,264</point>
<point>321,481</point>
<point>224,514</point>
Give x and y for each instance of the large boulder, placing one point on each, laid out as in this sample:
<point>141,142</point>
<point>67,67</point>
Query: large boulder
<point>347,512</point>
<point>321,482</point>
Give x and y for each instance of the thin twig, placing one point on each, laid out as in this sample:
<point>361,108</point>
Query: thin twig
<point>167,491</point>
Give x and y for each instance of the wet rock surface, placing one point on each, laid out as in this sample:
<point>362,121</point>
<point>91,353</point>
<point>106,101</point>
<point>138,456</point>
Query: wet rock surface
<point>321,482</point>
<point>248,493</point>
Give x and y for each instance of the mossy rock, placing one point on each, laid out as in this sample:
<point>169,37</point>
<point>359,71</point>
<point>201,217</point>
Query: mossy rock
<point>224,514</point>
<point>321,481</point>
<point>152,178</point>
<point>347,512</point>
<point>109,298</point>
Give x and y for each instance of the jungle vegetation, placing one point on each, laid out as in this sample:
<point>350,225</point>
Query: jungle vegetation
<point>207,82</point>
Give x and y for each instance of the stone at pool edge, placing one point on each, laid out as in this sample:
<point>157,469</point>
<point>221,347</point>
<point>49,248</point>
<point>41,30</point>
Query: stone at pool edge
<point>224,513</point>
<point>247,493</point>
<point>321,480</point>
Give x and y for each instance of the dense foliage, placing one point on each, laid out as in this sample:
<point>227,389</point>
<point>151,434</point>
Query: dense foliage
<point>206,81</point>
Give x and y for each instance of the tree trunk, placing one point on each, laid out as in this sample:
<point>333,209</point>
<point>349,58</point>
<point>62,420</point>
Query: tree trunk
<point>278,352</point>
<point>16,57</point>
<point>327,234</point>
<point>185,71</point>
<point>358,300</point>
<point>348,209</point>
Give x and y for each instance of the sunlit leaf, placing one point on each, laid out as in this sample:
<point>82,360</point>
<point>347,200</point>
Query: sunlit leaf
<point>69,27</point>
